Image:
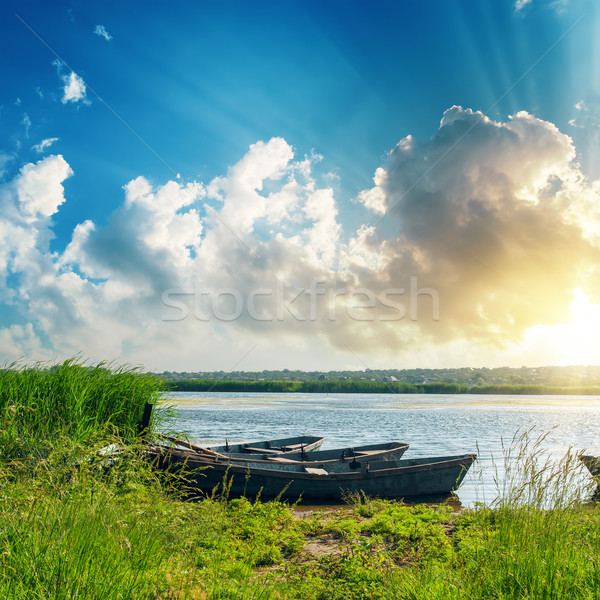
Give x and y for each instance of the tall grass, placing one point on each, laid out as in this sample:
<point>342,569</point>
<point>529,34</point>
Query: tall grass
<point>532,476</point>
<point>40,404</point>
<point>79,542</point>
<point>538,539</point>
<point>79,522</point>
<point>86,534</point>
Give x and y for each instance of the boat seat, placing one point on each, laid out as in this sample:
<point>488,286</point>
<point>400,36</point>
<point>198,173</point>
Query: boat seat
<point>315,471</point>
<point>280,459</point>
<point>261,450</point>
<point>292,447</point>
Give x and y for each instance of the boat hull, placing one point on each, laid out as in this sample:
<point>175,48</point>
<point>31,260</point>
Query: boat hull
<point>592,463</point>
<point>412,478</point>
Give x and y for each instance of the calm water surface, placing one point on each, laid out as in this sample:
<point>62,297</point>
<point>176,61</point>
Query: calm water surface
<point>433,425</point>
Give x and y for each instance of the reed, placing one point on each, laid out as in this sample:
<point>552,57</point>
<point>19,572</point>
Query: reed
<point>42,403</point>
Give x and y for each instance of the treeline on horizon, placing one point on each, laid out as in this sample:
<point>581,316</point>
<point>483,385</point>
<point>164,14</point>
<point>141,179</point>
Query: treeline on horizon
<point>369,387</point>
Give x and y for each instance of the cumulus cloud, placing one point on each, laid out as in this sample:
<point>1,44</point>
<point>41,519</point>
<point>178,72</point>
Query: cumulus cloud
<point>39,187</point>
<point>74,88</point>
<point>471,239</point>
<point>101,31</point>
<point>495,226</point>
<point>27,204</point>
<point>44,144</point>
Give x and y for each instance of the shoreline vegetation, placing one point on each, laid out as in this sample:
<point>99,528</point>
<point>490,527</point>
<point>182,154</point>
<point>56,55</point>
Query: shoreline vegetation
<point>83,515</point>
<point>580,376</point>
<point>371,387</point>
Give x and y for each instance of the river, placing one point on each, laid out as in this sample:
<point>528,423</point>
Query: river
<point>432,424</point>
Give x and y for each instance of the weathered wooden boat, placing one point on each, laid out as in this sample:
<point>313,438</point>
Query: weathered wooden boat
<point>405,478</point>
<point>353,455</point>
<point>301,443</point>
<point>592,463</point>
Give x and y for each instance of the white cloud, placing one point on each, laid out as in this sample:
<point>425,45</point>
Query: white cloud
<point>520,4</point>
<point>374,198</point>
<point>74,89</point>
<point>101,31</point>
<point>21,341</point>
<point>503,228</point>
<point>5,159</point>
<point>27,204</point>
<point>587,115</point>
<point>490,215</point>
<point>39,187</point>
<point>559,6</point>
<point>44,144</point>
<point>26,122</point>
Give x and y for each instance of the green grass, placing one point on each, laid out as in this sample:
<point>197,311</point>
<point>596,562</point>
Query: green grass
<point>76,523</point>
<point>42,404</point>
<point>85,534</point>
<point>540,538</point>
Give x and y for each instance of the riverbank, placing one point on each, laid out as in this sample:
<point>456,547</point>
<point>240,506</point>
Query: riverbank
<point>129,536</point>
<point>370,387</point>
<point>84,515</point>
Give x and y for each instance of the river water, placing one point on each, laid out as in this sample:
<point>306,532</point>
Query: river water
<point>433,425</point>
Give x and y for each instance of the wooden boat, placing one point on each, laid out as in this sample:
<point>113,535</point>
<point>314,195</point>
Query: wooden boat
<point>592,463</point>
<point>306,443</point>
<point>406,478</point>
<point>354,455</point>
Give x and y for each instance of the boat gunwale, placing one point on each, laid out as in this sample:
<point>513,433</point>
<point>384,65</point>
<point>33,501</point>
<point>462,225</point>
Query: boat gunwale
<point>437,463</point>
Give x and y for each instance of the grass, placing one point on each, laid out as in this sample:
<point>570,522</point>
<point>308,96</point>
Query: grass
<point>540,538</point>
<point>75,523</point>
<point>41,405</point>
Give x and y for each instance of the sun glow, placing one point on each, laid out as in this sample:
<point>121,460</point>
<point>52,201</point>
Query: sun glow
<point>582,343</point>
<point>573,343</point>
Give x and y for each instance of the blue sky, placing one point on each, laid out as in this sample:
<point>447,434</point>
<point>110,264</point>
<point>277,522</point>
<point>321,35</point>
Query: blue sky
<point>152,152</point>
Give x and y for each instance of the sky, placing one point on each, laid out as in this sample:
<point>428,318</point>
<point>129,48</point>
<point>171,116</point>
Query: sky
<point>316,185</point>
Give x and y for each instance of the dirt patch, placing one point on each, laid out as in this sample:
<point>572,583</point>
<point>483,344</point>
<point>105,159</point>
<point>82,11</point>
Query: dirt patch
<point>318,547</point>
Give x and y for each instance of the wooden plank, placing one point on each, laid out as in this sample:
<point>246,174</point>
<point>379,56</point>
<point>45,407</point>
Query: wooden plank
<point>293,447</point>
<point>194,447</point>
<point>316,471</point>
<point>261,450</point>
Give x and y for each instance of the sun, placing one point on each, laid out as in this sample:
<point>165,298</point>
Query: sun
<point>578,341</point>
<point>575,342</point>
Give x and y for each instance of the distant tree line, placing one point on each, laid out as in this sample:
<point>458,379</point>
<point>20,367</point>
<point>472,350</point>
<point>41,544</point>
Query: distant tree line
<point>366,387</point>
<point>559,377</point>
